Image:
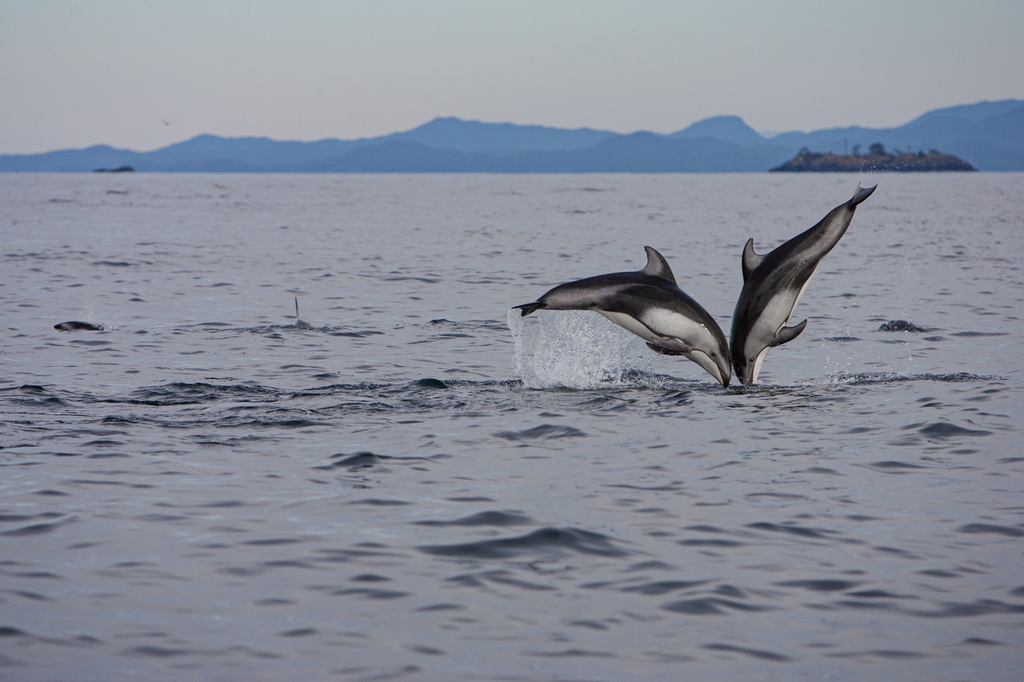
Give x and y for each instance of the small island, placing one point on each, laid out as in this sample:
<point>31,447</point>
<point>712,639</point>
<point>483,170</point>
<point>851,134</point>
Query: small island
<point>877,159</point>
<point>119,169</point>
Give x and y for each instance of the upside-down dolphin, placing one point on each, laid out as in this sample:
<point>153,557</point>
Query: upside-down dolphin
<point>649,304</point>
<point>773,284</point>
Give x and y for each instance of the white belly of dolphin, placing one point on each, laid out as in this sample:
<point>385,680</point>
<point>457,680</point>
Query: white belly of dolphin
<point>776,316</point>
<point>632,324</point>
<point>667,325</point>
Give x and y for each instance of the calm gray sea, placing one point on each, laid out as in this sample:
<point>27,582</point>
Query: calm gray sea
<point>415,485</point>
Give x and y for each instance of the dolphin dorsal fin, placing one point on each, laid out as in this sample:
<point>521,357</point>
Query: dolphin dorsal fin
<point>657,266</point>
<point>750,259</point>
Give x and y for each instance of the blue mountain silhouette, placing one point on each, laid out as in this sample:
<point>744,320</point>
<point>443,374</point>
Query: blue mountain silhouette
<point>990,135</point>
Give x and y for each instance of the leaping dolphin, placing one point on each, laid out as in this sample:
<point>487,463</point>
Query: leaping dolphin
<point>649,304</point>
<point>773,284</point>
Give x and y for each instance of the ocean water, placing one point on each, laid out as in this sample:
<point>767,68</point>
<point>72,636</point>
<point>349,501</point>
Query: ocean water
<point>413,484</point>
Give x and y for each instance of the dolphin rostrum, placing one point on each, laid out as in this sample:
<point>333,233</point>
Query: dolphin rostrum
<point>773,284</point>
<point>649,304</point>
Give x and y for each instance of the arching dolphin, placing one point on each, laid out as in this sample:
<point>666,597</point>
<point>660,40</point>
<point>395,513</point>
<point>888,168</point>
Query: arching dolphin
<point>773,284</point>
<point>649,304</point>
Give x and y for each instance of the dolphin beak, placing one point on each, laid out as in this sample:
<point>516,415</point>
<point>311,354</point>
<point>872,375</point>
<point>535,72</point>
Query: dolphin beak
<point>719,370</point>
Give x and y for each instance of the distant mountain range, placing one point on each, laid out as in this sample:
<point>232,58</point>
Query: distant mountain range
<point>990,135</point>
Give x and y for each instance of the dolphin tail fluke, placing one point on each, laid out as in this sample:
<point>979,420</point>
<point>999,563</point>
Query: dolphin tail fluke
<point>860,195</point>
<point>787,334</point>
<point>528,308</point>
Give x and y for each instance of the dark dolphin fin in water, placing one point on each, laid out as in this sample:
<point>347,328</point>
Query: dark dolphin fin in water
<point>76,326</point>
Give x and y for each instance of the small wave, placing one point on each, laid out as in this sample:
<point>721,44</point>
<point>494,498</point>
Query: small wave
<point>182,393</point>
<point>542,432</point>
<point>821,585</point>
<point>487,518</point>
<point>39,528</point>
<point>1008,531</point>
<point>366,460</point>
<point>711,606</point>
<point>972,334</point>
<point>747,651</point>
<point>541,543</point>
<point>869,378</point>
<point>31,395</point>
<point>944,430</point>
<point>799,531</point>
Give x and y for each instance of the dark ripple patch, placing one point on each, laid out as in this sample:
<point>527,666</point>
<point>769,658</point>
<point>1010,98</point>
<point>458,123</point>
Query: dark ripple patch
<point>972,334</point>
<point>572,653</point>
<point>181,393</point>
<point>823,585</point>
<point>711,606</point>
<point>991,528</point>
<point>487,518</point>
<point>895,467</point>
<point>747,651</point>
<point>369,593</point>
<point>981,607</point>
<point>500,577</point>
<point>31,395</point>
<point>869,378</point>
<point>362,334</point>
<point>150,651</point>
<point>544,542</point>
<point>542,432</point>
<point>38,528</point>
<point>948,430</point>
<point>660,587</point>
<point>365,460</point>
<point>299,632</point>
<point>878,653</point>
<point>799,531</point>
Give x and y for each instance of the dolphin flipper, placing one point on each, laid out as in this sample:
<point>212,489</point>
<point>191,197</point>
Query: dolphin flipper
<point>664,351</point>
<point>787,334</point>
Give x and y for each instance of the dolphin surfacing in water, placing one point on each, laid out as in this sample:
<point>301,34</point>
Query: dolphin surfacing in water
<point>773,284</point>
<point>650,304</point>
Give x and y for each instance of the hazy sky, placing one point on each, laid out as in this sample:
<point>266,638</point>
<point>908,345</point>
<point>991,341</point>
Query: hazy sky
<point>75,73</point>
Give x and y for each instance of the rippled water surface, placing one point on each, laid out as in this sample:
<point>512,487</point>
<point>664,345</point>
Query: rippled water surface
<point>413,485</point>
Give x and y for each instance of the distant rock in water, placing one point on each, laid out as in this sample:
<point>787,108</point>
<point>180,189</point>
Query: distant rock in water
<point>900,326</point>
<point>76,326</point>
<point>119,169</point>
<point>877,159</point>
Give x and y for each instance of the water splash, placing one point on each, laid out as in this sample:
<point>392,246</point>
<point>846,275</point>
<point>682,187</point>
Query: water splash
<point>575,349</point>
